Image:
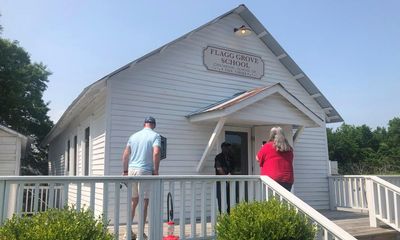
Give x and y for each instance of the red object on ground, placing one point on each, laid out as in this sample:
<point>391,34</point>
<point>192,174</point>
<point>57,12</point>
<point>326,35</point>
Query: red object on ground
<point>170,232</point>
<point>171,238</point>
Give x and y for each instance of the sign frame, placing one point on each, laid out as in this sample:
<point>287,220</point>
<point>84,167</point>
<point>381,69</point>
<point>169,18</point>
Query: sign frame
<point>235,52</point>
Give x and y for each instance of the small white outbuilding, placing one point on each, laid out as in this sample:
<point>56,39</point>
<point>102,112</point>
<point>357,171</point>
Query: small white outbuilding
<point>13,146</point>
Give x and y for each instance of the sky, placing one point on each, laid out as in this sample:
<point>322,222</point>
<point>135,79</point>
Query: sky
<point>350,49</point>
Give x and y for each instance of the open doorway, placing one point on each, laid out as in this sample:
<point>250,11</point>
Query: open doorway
<point>240,151</point>
<point>239,138</point>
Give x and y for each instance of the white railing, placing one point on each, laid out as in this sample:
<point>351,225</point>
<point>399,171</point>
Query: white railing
<point>379,195</point>
<point>35,198</point>
<point>194,197</point>
<point>384,199</point>
<point>393,179</point>
<point>101,194</point>
<point>348,192</point>
<point>326,228</point>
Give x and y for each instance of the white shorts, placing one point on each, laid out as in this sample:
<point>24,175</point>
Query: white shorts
<point>145,185</point>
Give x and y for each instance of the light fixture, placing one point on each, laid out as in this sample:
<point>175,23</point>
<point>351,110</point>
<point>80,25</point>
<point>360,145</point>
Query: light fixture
<point>242,31</point>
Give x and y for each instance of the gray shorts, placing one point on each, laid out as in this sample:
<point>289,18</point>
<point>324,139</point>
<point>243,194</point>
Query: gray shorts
<point>145,185</point>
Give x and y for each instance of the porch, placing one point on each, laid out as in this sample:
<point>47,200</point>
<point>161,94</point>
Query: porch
<point>357,224</point>
<point>194,198</point>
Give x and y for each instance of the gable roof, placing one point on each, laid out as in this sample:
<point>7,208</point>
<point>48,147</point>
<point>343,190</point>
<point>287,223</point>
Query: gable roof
<point>235,103</point>
<point>25,140</point>
<point>12,132</point>
<point>331,114</point>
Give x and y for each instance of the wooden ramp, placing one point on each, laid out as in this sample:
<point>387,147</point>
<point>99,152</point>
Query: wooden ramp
<point>357,224</point>
<point>197,233</point>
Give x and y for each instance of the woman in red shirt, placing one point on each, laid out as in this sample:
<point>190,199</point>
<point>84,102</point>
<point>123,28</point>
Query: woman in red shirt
<point>276,158</point>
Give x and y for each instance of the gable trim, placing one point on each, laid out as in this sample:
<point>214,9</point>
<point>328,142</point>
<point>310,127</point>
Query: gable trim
<point>12,132</point>
<point>241,101</point>
<point>289,63</point>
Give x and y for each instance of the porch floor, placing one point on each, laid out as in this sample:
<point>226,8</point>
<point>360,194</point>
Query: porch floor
<point>357,224</point>
<point>188,228</point>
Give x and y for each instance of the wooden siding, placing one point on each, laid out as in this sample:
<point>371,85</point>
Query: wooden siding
<point>92,116</point>
<point>311,167</point>
<point>174,83</point>
<point>8,153</point>
<point>276,109</point>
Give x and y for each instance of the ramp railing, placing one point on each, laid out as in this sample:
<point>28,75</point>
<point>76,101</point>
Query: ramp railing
<point>384,199</point>
<point>379,195</point>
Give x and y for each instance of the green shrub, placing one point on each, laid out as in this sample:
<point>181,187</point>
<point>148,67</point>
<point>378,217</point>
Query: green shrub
<point>270,220</point>
<point>64,224</point>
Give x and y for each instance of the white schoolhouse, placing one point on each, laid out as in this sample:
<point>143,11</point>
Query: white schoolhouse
<point>228,80</point>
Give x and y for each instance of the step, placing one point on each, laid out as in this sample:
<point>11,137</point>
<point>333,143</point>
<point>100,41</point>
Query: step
<point>357,224</point>
<point>360,229</point>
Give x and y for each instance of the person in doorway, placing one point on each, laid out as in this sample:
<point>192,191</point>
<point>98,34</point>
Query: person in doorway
<point>276,158</point>
<point>142,157</point>
<point>224,166</point>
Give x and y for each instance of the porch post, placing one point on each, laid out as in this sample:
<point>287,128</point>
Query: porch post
<point>297,134</point>
<point>2,197</point>
<point>371,202</point>
<point>156,210</point>
<point>211,143</point>
<point>332,193</point>
<point>7,200</point>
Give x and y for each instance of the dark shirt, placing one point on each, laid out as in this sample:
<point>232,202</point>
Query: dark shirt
<point>224,162</point>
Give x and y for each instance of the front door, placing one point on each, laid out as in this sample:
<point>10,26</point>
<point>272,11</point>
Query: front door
<point>239,139</point>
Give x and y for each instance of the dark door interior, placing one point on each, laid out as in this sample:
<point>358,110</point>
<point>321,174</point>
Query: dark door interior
<point>239,146</point>
<point>239,142</point>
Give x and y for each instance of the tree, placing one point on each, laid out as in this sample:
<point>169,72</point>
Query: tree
<point>394,132</point>
<point>359,150</point>
<point>22,108</point>
<point>1,27</point>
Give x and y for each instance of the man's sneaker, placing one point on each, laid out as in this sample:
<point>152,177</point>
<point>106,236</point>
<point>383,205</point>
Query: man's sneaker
<point>133,236</point>
<point>144,237</point>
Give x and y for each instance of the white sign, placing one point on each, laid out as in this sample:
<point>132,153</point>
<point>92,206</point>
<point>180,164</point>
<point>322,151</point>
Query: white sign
<point>233,62</point>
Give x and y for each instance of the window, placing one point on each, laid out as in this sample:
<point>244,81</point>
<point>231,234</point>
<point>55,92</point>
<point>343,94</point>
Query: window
<point>87,135</point>
<point>68,155</point>
<point>75,154</point>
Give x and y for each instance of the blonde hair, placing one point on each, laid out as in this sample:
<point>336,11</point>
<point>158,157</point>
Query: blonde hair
<point>281,144</point>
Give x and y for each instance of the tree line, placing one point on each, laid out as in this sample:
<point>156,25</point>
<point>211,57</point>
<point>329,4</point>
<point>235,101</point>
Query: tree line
<point>362,150</point>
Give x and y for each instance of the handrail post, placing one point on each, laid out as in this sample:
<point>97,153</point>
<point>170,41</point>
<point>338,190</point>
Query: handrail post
<point>2,200</point>
<point>332,194</point>
<point>156,221</point>
<point>371,202</point>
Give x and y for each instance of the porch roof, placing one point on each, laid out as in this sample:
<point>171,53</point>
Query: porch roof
<point>231,108</point>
